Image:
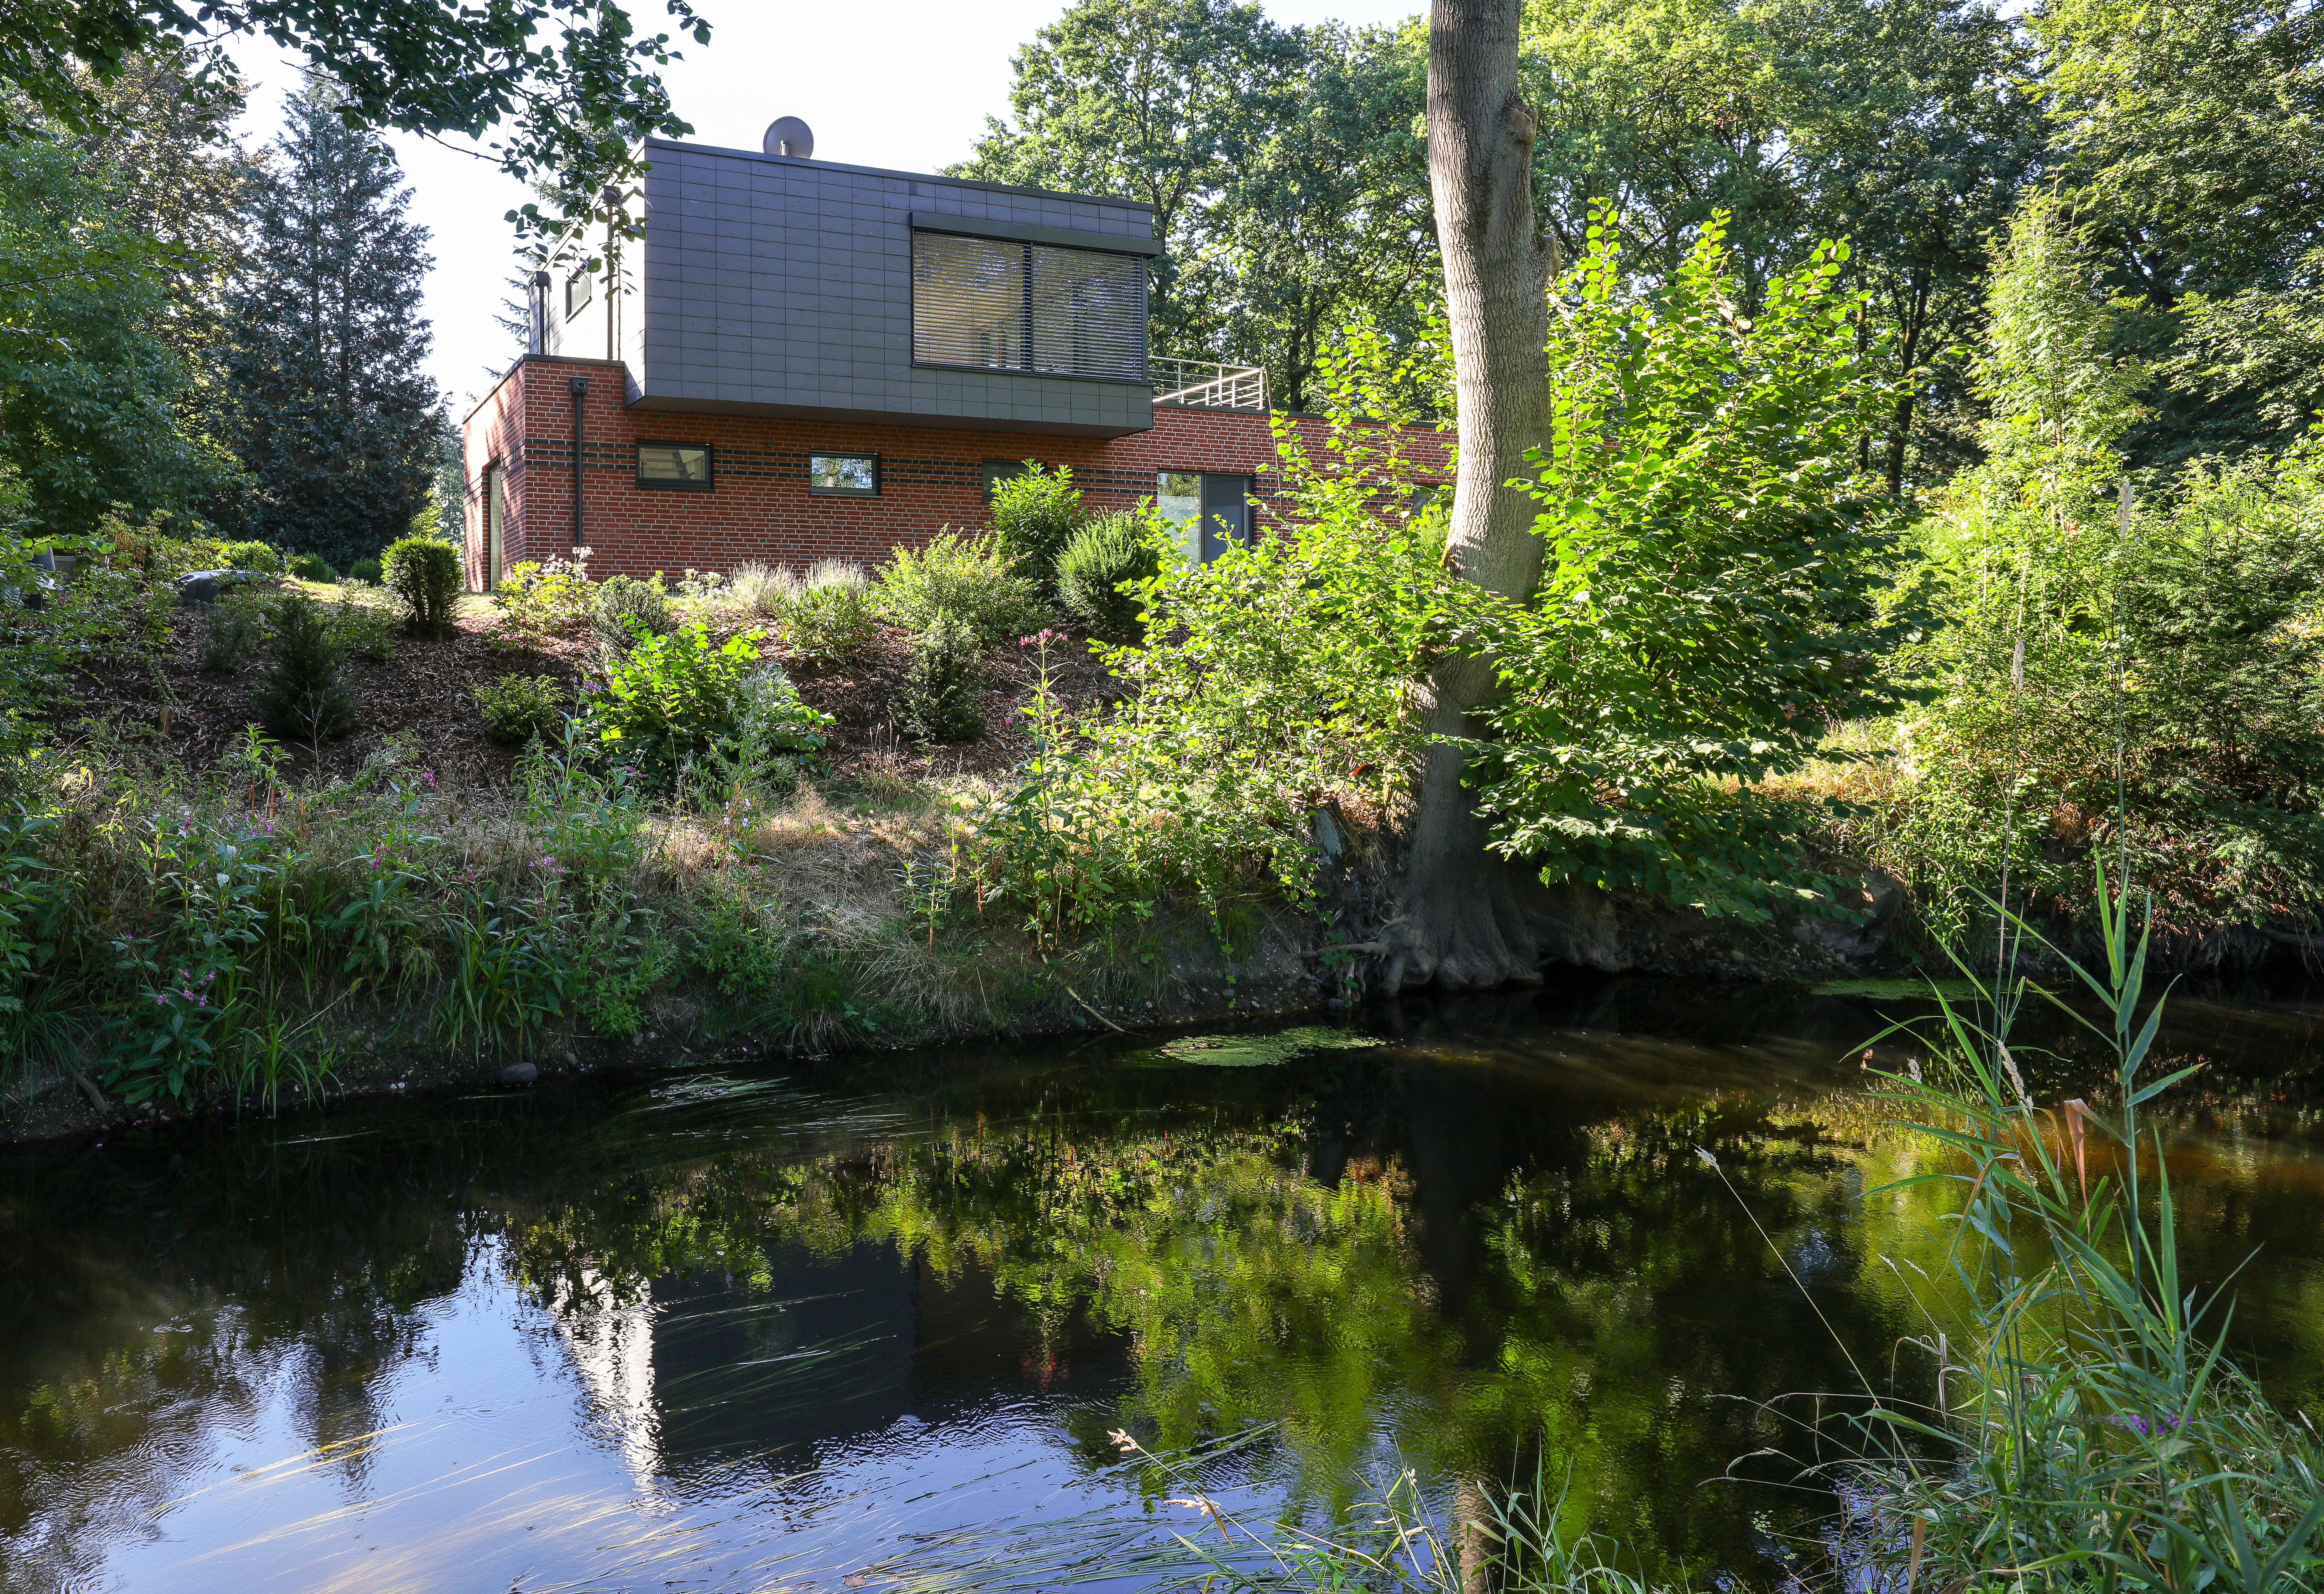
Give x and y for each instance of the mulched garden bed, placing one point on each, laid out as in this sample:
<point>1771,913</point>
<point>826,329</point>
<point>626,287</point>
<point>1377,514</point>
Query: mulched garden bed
<point>426,692</point>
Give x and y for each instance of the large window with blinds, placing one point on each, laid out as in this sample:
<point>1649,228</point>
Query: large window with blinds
<point>997,304</point>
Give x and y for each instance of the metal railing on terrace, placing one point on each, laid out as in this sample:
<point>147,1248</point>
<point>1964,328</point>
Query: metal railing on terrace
<point>1206,384</point>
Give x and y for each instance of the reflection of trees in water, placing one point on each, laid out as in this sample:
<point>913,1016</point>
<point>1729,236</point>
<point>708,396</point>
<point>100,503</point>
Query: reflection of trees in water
<point>160,1305</point>
<point>1475,1260</point>
<point>1396,1260</point>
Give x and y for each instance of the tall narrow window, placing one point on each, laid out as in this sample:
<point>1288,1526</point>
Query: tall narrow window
<point>996,304</point>
<point>493,532</point>
<point>579,288</point>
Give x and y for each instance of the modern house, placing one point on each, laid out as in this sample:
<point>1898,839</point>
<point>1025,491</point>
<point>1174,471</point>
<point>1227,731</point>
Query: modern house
<point>801,360</point>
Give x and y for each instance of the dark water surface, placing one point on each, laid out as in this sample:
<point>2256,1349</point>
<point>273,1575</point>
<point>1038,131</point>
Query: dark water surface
<point>763,1328</point>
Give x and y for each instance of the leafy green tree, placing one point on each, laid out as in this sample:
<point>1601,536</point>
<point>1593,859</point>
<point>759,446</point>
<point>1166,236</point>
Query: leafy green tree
<point>1902,128</point>
<point>90,389</point>
<point>1710,604</point>
<point>333,418</point>
<point>2196,140</point>
<point>1161,100</point>
<point>1328,219</point>
<point>571,106</point>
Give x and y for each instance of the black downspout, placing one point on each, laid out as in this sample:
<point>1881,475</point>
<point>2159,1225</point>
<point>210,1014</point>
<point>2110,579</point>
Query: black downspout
<point>580,392</point>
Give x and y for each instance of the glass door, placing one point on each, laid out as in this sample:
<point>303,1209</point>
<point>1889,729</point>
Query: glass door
<point>1210,509</point>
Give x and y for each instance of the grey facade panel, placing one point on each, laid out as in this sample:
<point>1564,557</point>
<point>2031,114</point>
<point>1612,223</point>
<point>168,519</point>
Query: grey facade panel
<point>786,286</point>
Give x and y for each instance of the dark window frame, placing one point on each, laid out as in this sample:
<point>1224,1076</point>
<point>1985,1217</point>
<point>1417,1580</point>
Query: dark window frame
<point>709,468</point>
<point>822,492</point>
<point>996,471</point>
<point>1024,366</point>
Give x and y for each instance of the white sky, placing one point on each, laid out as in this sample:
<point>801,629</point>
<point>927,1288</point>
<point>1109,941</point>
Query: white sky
<point>905,84</point>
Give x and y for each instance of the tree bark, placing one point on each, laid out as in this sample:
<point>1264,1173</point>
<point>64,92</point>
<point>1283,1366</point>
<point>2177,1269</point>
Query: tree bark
<point>1465,924</point>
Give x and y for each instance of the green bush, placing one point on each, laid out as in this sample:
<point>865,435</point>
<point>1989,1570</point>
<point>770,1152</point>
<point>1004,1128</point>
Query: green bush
<point>364,570</point>
<point>231,630</point>
<point>254,556</point>
<point>1111,551</point>
<point>536,599</point>
<point>519,707</point>
<point>938,701</point>
<point>832,618</point>
<point>425,574</point>
<point>313,566</point>
<point>302,697</point>
<point>364,629</point>
<point>1035,515</point>
<point>967,577</point>
<point>622,599</point>
<point>672,698</point>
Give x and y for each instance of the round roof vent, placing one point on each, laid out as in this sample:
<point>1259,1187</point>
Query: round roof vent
<point>788,135</point>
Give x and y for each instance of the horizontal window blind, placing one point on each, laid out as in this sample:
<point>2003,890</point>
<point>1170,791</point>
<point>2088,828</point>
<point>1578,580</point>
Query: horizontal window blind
<point>1027,307</point>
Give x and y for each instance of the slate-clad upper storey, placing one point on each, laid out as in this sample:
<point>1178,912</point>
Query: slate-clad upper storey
<point>779,286</point>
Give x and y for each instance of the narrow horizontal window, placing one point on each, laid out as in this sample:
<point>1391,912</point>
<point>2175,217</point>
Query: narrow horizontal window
<point>579,288</point>
<point>997,471</point>
<point>848,476</point>
<point>682,467</point>
<point>1007,306</point>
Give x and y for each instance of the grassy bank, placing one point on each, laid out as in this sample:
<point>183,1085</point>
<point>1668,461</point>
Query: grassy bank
<point>229,934</point>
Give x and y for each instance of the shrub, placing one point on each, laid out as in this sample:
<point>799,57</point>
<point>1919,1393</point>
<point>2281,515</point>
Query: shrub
<point>774,736</point>
<point>621,600</point>
<point>231,629</point>
<point>938,701</point>
<point>968,578</point>
<point>519,707</point>
<point>364,629</point>
<point>536,599</point>
<point>425,574</point>
<point>763,590</point>
<point>302,697</point>
<point>364,570</point>
<point>313,566</point>
<point>1105,555</point>
<point>672,698</point>
<point>831,618</point>
<point>1035,515</point>
<point>254,556</point>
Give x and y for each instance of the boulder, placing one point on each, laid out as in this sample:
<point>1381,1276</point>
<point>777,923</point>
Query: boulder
<point>516,1076</point>
<point>200,587</point>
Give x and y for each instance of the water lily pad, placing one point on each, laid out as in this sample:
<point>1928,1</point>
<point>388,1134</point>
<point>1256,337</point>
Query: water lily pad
<point>1258,1051</point>
<point>1952,990</point>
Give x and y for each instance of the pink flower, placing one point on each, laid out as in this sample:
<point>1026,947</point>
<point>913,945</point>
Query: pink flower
<point>428,779</point>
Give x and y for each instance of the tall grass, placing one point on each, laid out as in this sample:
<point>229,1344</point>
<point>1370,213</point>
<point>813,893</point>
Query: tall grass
<point>2090,1430</point>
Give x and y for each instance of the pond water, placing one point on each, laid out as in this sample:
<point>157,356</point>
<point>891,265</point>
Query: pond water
<point>747,1327</point>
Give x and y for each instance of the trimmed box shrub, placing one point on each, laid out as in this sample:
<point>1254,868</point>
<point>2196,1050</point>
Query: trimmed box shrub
<point>425,574</point>
<point>313,566</point>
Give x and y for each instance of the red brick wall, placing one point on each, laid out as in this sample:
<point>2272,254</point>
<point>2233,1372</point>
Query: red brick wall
<point>761,508</point>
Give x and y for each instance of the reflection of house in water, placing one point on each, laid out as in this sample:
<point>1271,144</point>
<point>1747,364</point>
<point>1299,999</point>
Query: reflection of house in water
<point>610,1333</point>
<point>834,1347</point>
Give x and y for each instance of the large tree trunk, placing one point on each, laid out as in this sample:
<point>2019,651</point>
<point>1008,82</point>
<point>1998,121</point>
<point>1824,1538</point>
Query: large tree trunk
<point>1465,921</point>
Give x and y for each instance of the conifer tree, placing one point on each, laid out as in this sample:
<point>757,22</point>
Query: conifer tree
<point>336,422</point>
